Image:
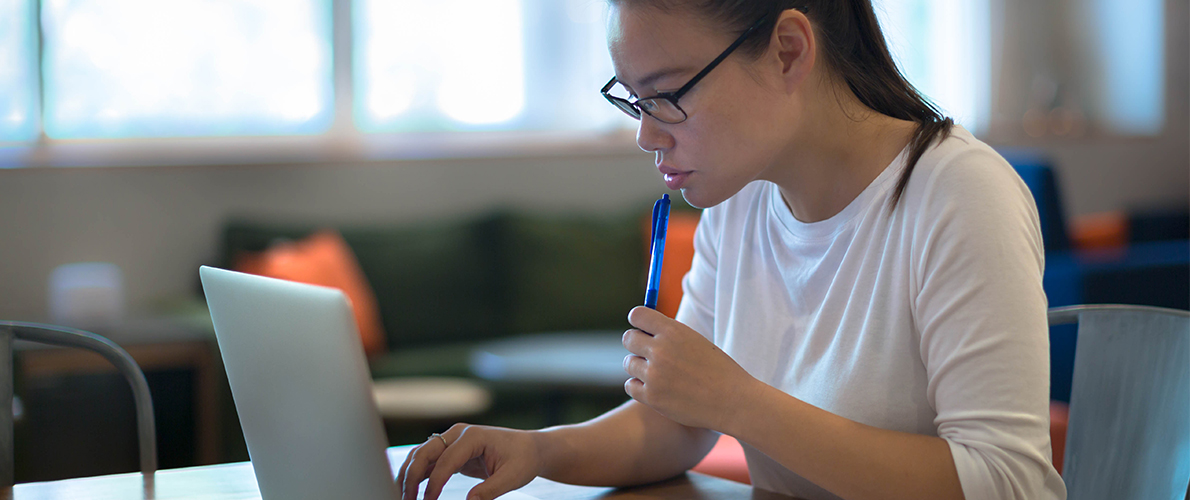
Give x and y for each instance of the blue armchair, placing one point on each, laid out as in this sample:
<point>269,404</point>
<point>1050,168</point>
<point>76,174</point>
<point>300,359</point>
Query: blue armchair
<point>1151,272</point>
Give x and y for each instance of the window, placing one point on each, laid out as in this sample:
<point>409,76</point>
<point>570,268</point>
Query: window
<point>78,74</point>
<point>1066,69</point>
<point>19,115</point>
<point>418,75</point>
<point>943,48</point>
<point>1129,38</point>
<point>498,65</point>
<point>151,68</point>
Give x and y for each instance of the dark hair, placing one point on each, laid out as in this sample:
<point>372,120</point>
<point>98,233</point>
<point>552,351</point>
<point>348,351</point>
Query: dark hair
<point>854,48</point>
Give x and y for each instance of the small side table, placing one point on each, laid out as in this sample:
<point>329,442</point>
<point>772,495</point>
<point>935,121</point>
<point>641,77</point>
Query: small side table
<point>429,398</point>
<point>564,359</point>
<point>559,363</point>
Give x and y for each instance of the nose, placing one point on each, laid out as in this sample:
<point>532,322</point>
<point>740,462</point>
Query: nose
<point>651,135</point>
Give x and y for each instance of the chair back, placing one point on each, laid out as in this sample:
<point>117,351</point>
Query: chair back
<point>1129,428</point>
<point>70,337</point>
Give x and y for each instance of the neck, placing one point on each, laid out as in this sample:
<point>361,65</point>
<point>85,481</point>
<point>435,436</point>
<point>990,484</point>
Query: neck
<point>840,148</point>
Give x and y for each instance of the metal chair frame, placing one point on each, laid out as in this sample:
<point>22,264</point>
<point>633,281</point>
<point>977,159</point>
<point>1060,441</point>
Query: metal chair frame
<point>70,337</point>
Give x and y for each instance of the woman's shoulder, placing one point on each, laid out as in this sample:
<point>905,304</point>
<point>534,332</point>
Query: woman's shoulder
<point>964,188</point>
<point>961,167</point>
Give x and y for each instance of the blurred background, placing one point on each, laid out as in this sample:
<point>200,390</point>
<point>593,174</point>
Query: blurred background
<point>463,145</point>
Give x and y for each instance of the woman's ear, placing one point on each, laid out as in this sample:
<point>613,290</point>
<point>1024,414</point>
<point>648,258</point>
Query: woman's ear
<point>796,47</point>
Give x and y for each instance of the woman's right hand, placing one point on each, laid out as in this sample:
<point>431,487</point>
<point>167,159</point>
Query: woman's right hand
<point>505,459</point>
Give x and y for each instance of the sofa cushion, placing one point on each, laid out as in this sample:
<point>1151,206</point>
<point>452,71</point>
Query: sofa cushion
<point>322,258</point>
<point>572,272</point>
<point>435,282</point>
<point>447,360</point>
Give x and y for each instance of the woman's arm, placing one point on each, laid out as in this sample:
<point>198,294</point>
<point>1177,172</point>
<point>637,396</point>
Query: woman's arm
<point>627,446</point>
<point>852,460</point>
<point>688,379</point>
<point>630,445</point>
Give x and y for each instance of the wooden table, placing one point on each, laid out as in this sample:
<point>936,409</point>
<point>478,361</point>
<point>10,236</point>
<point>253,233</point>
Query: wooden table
<point>237,481</point>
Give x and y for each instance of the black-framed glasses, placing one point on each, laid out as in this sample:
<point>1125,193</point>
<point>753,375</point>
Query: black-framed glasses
<point>664,106</point>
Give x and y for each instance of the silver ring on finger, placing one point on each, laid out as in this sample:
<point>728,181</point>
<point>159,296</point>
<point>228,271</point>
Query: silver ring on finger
<point>440,438</point>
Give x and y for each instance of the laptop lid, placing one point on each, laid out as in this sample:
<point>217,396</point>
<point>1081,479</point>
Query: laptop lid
<point>301,387</point>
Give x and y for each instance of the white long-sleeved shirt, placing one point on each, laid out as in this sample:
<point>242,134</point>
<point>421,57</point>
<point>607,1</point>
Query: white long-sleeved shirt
<point>930,319</point>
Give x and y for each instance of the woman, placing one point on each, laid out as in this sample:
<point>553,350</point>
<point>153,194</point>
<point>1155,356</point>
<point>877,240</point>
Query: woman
<point>867,319</point>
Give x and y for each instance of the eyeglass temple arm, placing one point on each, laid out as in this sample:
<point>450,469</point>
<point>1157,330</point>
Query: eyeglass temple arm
<point>731,48</point>
<point>609,85</point>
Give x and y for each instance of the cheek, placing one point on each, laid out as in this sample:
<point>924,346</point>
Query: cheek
<point>723,168</point>
<point>728,159</point>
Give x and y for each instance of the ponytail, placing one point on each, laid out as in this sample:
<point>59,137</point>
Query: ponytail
<point>873,76</point>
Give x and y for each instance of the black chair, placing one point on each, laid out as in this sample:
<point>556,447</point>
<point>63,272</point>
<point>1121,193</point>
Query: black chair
<point>70,337</point>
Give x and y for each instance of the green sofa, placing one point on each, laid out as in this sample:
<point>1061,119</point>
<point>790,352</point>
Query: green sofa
<point>444,286</point>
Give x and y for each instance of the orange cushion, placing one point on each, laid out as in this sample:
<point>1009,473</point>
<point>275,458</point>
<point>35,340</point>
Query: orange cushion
<point>726,460</point>
<point>679,254</point>
<point>322,258</point>
<point>1059,416</point>
<point>1105,230</point>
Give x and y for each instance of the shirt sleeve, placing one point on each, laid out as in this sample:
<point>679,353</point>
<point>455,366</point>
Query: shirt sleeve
<point>696,310</point>
<point>981,314</point>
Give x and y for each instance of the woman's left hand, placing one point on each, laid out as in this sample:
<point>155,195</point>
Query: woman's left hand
<point>682,375</point>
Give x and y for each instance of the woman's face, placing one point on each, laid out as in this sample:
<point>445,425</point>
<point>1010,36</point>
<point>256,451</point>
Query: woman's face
<point>737,119</point>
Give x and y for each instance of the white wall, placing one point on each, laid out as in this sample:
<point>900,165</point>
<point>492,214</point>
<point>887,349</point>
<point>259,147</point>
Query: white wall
<point>1097,174</point>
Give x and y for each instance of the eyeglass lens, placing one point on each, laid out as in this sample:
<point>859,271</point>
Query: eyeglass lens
<point>660,108</point>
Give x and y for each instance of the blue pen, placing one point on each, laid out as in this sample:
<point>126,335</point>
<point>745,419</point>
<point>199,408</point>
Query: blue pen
<point>657,249</point>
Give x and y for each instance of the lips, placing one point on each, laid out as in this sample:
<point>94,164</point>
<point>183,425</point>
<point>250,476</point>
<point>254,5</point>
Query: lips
<point>674,178</point>
<point>675,181</point>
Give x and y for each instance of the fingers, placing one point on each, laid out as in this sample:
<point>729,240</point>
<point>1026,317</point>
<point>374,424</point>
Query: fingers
<point>450,461</point>
<point>404,467</point>
<point>422,461</point>
<point>649,320</point>
<point>637,342</point>
<point>500,483</point>
<point>636,389</point>
<point>416,465</point>
<point>636,367</point>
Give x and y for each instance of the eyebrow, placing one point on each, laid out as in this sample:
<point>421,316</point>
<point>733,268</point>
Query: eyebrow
<point>661,73</point>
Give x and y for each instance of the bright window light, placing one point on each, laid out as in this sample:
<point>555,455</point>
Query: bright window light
<point>570,64</point>
<point>153,68</point>
<point>497,65</point>
<point>943,48</point>
<point>417,73</point>
<point>1130,38</point>
<point>18,72</point>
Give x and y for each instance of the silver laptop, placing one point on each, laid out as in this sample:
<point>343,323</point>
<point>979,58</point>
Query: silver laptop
<point>301,387</point>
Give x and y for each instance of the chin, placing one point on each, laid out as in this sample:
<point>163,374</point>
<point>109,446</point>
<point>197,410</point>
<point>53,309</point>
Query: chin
<point>699,199</point>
